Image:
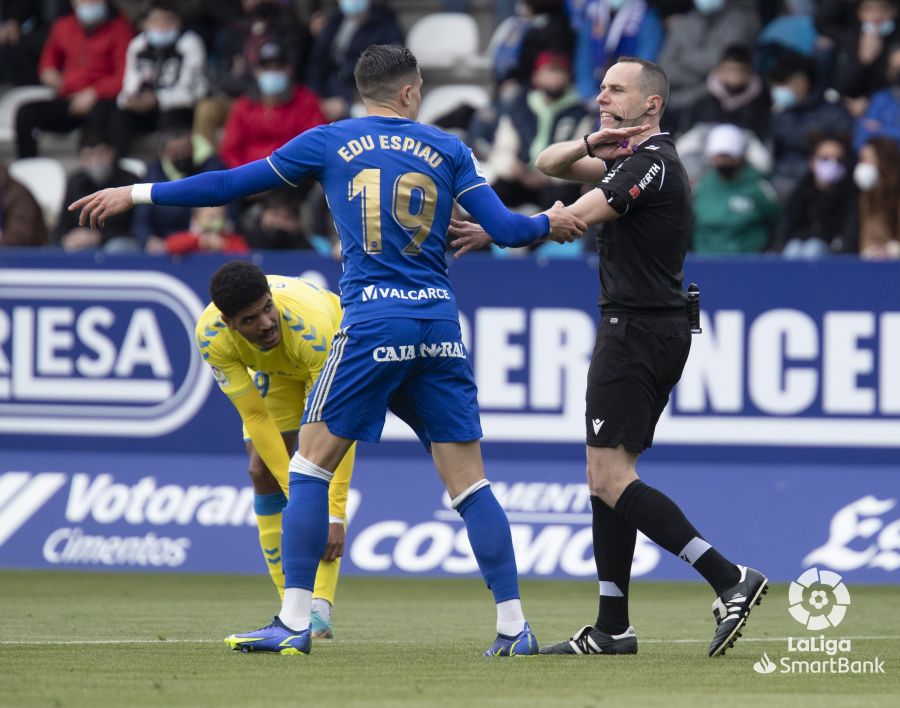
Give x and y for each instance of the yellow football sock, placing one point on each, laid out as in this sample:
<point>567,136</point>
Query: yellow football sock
<point>326,580</point>
<point>270,542</point>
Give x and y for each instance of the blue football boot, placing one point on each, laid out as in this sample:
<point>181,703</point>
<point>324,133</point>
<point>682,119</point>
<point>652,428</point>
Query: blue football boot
<point>523,644</point>
<point>276,638</point>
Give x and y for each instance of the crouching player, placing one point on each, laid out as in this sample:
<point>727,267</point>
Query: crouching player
<point>267,339</point>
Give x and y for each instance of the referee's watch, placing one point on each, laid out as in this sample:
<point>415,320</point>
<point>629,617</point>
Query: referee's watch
<point>587,147</point>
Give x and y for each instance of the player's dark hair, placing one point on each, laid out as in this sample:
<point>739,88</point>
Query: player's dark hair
<point>654,81</point>
<point>237,285</point>
<point>382,68</point>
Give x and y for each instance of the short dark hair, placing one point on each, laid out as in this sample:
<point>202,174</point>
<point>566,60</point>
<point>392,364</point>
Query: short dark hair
<point>282,199</point>
<point>790,64</point>
<point>382,68</point>
<point>164,6</point>
<point>172,133</point>
<point>654,81</point>
<point>815,138</point>
<point>738,53</point>
<point>237,285</point>
<point>91,137</point>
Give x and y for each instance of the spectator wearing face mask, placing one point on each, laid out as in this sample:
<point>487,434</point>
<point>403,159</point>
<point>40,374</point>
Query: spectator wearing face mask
<point>98,170</point>
<point>277,112</point>
<point>694,45</point>
<point>735,209</point>
<point>164,77</point>
<point>862,62</point>
<point>877,175</point>
<point>882,117</point>
<point>820,215</point>
<point>344,35</point>
<point>180,155</point>
<point>551,112</point>
<point>235,57</point>
<point>735,94</point>
<point>210,231</point>
<point>798,114</point>
<point>83,61</point>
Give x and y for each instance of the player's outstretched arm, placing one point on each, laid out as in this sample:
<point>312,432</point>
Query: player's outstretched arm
<point>508,229</point>
<point>564,227</point>
<point>205,189</point>
<point>571,159</point>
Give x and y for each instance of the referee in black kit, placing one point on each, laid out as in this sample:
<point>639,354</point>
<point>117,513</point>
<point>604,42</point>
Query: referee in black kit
<point>643,200</point>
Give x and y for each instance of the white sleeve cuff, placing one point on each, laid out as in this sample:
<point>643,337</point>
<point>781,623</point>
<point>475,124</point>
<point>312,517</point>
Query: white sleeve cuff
<point>335,519</point>
<point>140,193</point>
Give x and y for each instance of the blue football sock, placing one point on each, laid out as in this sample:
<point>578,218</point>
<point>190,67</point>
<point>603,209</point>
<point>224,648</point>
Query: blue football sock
<point>269,504</point>
<point>488,530</point>
<point>304,530</point>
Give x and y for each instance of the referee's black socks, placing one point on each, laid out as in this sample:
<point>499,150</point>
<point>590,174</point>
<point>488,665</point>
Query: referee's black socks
<point>660,519</point>
<point>614,540</point>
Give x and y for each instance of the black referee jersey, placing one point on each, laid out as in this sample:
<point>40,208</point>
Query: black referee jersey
<point>642,252</point>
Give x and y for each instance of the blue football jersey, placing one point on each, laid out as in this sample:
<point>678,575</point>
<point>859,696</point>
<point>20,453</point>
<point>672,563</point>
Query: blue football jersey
<point>390,184</point>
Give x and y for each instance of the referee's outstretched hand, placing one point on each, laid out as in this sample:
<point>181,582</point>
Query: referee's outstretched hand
<point>613,143</point>
<point>96,208</point>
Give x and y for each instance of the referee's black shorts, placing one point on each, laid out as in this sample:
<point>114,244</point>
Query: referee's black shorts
<point>636,362</point>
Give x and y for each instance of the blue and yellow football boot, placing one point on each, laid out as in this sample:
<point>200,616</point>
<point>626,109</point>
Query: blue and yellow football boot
<point>276,638</point>
<point>523,644</point>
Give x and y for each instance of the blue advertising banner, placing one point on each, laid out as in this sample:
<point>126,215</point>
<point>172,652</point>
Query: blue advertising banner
<point>781,441</point>
<point>195,513</point>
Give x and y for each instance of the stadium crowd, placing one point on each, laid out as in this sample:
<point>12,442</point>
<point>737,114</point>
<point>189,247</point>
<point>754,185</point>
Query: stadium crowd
<point>786,113</point>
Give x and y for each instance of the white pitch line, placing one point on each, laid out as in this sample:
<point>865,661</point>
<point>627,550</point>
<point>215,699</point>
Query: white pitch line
<point>757,639</point>
<point>67,642</point>
<point>100,642</point>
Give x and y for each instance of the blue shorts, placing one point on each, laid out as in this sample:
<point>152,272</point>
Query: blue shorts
<point>418,369</point>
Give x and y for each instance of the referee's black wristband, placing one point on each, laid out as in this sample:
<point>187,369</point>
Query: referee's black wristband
<point>587,146</point>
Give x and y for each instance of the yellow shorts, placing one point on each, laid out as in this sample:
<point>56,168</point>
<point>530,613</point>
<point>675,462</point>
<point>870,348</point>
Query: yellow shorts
<point>285,400</point>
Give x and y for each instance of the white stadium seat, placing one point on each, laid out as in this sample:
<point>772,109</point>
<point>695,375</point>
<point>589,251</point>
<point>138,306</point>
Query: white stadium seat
<point>9,105</point>
<point>443,40</point>
<point>45,178</point>
<point>444,99</point>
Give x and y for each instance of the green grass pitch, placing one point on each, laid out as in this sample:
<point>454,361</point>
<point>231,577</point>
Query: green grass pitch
<point>98,639</point>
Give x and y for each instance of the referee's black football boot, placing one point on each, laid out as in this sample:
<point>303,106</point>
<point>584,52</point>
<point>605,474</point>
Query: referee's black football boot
<point>591,640</point>
<point>732,608</point>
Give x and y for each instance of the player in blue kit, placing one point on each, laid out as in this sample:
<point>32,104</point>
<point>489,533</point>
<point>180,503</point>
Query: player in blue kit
<point>390,183</point>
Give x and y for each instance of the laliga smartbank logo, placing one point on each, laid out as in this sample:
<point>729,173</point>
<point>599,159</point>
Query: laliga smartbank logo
<point>84,352</point>
<point>818,600</point>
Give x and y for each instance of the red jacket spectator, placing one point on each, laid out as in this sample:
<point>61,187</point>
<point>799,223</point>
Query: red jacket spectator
<point>253,129</point>
<point>95,59</point>
<point>190,242</point>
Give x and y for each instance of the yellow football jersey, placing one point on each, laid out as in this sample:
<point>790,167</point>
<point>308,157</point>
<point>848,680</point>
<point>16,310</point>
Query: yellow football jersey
<point>309,318</point>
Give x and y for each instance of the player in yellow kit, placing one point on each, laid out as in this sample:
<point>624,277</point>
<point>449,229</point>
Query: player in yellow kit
<point>267,339</point>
